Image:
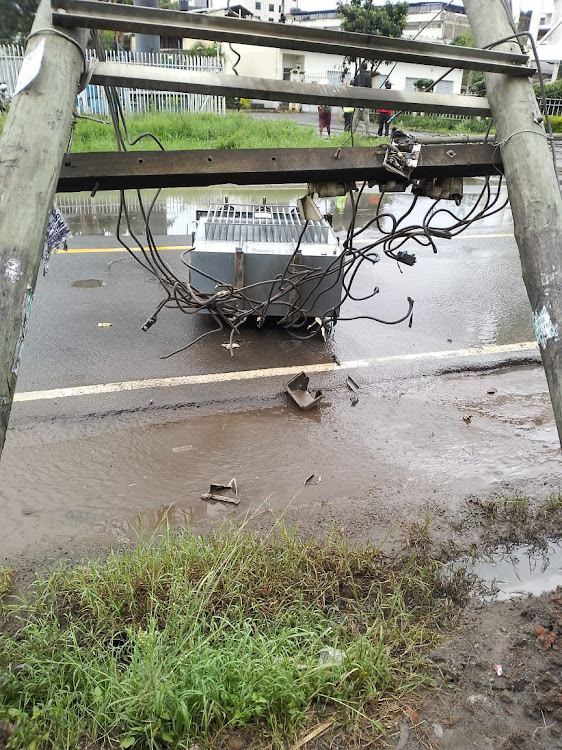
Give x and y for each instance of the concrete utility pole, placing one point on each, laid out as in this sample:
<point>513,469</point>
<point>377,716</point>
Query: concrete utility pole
<point>533,192</point>
<point>31,152</point>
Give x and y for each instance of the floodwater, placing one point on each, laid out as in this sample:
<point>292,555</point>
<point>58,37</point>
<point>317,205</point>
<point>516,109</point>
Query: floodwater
<point>518,571</point>
<point>174,211</point>
<point>403,448</point>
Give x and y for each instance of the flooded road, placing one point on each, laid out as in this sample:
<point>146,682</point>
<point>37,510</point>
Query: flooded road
<point>88,468</point>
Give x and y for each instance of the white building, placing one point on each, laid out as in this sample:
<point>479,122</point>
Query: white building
<point>544,21</point>
<point>263,10</point>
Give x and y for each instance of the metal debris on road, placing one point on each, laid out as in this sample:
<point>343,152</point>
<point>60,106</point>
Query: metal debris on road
<point>297,389</point>
<point>225,493</point>
<point>352,384</point>
<point>313,479</point>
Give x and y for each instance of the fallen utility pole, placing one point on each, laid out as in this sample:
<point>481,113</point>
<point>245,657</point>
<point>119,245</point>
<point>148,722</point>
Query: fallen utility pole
<point>276,166</point>
<point>31,151</point>
<point>534,193</point>
<point>116,17</point>
<point>218,84</point>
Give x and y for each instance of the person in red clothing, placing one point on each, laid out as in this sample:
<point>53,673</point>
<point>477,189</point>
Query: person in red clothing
<point>324,118</point>
<point>384,115</point>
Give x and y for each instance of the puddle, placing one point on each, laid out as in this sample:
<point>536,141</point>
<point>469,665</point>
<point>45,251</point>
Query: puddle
<point>517,571</point>
<point>88,283</point>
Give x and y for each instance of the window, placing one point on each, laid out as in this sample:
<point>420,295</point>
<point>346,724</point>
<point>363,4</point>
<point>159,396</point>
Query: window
<point>271,7</point>
<point>279,9</point>
<point>271,19</point>
<point>258,6</point>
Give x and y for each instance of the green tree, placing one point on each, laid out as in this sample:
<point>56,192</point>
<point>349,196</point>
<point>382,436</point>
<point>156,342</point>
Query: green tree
<point>472,80</point>
<point>17,17</point>
<point>386,20</point>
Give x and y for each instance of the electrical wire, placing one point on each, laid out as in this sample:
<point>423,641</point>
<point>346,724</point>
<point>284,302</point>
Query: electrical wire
<point>295,295</point>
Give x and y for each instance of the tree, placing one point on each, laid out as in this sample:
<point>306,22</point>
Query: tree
<point>17,18</point>
<point>386,20</point>
<point>473,81</point>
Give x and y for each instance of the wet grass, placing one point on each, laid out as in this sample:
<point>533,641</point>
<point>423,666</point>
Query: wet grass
<point>437,124</point>
<point>192,639</point>
<point>6,578</point>
<point>207,131</point>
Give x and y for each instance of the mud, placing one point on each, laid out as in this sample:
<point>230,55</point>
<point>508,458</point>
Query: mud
<point>444,451</point>
<point>404,450</point>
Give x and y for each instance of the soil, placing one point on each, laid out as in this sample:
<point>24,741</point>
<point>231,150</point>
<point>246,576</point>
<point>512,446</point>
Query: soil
<point>424,473</point>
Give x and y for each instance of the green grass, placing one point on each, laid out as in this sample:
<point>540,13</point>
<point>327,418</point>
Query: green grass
<point>436,124</point>
<point>192,639</point>
<point>198,131</point>
<point>202,131</point>
<point>6,578</point>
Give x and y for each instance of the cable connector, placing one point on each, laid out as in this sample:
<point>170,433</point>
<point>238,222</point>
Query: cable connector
<point>149,323</point>
<point>407,258</point>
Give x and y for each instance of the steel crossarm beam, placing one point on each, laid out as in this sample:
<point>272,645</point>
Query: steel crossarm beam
<point>155,169</point>
<point>117,17</point>
<point>219,84</point>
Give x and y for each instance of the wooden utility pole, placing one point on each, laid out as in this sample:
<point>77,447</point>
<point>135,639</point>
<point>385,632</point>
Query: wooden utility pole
<point>31,152</point>
<point>533,189</point>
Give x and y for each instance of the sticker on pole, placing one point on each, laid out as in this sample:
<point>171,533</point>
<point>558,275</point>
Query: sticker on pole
<point>30,67</point>
<point>545,329</point>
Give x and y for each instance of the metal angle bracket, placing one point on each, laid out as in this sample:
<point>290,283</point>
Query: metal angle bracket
<point>402,154</point>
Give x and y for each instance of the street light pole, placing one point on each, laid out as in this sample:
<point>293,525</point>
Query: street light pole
<point>533,189</point>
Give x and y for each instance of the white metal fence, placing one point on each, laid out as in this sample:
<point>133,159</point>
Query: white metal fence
<point>135,101</point>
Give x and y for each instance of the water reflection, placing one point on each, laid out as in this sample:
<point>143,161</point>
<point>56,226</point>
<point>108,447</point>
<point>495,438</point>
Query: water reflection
<point>174,212</point>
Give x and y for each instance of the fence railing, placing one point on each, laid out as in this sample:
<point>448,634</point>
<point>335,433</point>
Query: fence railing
<point>134,101</point>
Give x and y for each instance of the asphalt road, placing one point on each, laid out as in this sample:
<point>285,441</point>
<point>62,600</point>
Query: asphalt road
<point>470,294</point>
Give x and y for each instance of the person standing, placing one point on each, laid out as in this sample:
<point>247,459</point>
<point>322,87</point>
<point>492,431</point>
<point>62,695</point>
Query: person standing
<point>364,80</point>
<point>347,118</point>
<point>384,115</point>
<point>325,118</point>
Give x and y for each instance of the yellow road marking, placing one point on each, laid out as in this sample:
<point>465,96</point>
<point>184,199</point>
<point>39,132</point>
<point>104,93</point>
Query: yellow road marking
<point>189,247</point>
<point>118,249</point>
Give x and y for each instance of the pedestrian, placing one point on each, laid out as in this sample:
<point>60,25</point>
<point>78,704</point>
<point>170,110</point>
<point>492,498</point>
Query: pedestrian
<point>348,118</point>
<point>384,115</point>
<point>325,119</point>
<point>364,80</point>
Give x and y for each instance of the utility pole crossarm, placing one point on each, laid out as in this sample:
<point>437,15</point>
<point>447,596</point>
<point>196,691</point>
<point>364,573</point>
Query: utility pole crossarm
<point>534,192</point>
<point>195,82</point>
<point>31,150</point>
<point>117,17</point>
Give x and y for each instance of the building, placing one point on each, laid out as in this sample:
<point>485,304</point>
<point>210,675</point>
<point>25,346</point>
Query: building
<point>544,23</point>
<point>263,10</point>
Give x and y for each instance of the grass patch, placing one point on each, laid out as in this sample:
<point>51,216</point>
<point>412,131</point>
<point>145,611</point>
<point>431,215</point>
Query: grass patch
<point>193,638</point>
<point>207,131</point>
<point>436,124</point>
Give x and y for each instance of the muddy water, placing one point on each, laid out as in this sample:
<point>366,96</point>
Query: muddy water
<point>403,450</point>
<point>517,571</point>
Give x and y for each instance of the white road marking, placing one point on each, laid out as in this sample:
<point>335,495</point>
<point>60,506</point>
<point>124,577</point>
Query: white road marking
<point>272,372</point>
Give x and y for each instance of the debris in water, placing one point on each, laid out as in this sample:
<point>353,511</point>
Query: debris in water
<point>225,493</point>
<point>297,389</point>
<point>182,448</point>
<point>313,479</point>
